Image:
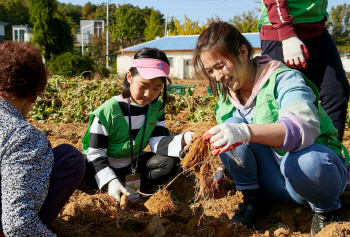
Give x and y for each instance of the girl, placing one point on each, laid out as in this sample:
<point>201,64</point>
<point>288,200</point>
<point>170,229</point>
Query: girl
<point>286,145</point>
<point>121,128</point>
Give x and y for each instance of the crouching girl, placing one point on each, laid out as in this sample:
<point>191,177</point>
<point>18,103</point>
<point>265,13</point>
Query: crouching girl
<point>121,128</point>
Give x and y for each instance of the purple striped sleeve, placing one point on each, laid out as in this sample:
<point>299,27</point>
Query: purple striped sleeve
<point>293,137</point>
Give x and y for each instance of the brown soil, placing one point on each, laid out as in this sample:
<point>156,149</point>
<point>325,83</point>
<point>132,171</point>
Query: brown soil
<point>160,203</point>
<point>98,215</point>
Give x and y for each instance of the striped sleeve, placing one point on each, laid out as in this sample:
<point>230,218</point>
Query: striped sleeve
<point>296,101</point>
<point>162,143</point>
<point>278,14</point>
<point>97,153</point>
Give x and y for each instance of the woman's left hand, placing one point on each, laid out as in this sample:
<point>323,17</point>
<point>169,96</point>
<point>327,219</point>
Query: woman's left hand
<point>227,136</point>
<point>188,137</point>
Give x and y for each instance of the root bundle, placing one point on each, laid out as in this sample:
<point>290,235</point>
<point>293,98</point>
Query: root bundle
<point>198,150</point>
<point>201,160</point>
<point>160,203</point>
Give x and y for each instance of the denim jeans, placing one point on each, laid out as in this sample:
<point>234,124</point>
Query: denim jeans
<point>313,176</point>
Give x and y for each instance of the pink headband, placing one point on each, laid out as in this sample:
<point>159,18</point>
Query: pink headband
<point>150,68</point>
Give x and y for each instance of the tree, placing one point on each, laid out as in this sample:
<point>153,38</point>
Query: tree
<point>339,26</point>
<point>63,39</point>
<point>187,28</point>
<point>339,22</point>
<point>70,14</point>
<point>98,48</point>
<point>171,24</point>
<point>211,20</point>
<point>51,35</point>
<point>41,14</point>
<point>247,22</point>
<point>153,26</point>
<point>70,10</point>
<point>15,12</point>
<point>88,11</point>
<point>126,24</point>
<point>143,14</point>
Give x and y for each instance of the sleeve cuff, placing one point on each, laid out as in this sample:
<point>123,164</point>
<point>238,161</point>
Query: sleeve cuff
<point>285,32</point>
<point>293,137</point>
<point>104,176</point>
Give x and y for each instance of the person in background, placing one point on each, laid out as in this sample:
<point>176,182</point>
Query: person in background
<point>286,146</point>
<point>36,179</point>
<point>121,128</point>
<point>294,33</point>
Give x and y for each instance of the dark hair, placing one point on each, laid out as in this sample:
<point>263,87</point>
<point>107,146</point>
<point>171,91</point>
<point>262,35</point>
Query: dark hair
<point>224,39</point>
<point>147,53</point>
<point>22,71</point>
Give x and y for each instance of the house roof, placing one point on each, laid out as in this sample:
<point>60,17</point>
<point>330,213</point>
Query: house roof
<point>183,42</point>
<point>4,23</point>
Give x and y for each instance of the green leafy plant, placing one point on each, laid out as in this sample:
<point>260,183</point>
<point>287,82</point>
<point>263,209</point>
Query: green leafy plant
<point>71,64</point>
<point>72,100</point>
<point>102,70</point>
<point>200,109</point>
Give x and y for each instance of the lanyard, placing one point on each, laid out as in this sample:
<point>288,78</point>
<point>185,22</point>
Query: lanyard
<point>133,169</point>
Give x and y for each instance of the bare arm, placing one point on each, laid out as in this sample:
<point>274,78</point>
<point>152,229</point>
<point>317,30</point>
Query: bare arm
<point>267,134</point>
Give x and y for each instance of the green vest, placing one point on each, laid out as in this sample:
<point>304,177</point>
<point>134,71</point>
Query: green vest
<point>302,11</point>
<point>266,111</point>
<point>111,117</point>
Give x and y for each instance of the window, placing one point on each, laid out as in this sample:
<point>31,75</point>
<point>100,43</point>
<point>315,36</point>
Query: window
<point>19,35</point>
<point>188,62</point>
<point>171,61</point>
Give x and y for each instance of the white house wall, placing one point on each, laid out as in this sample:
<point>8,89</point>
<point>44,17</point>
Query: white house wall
<point>28,37</point>
<point>89,30</point>
<point>84,23</point>
<point>86,37</point>
<point>179,65</point>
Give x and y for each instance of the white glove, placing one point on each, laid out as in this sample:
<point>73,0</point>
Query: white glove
<point>295,52</point>
<point>115,188</point>
<point>188,137</point>
<point>227,136</point>
<point>216,180</point>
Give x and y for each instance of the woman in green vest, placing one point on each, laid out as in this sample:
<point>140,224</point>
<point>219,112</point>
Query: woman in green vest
<point>284,144</point>
<point>121,128</point>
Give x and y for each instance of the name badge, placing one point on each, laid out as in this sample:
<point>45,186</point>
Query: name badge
<point>133,182</point>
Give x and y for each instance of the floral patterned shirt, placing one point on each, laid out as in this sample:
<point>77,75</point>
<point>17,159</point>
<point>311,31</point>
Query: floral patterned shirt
<point>26,161</point>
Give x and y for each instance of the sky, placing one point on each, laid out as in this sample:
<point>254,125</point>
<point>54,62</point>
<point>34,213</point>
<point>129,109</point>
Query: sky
<point>195,9</point>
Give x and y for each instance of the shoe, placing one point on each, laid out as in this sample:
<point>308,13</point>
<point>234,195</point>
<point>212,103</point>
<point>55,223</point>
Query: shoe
<point>320,220</point>
<point>256,205</point>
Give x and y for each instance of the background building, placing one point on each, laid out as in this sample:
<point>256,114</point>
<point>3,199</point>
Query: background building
<point>179,50</point>
<point>90,29</point>
<point>21,33</point>
<point>2,31</point>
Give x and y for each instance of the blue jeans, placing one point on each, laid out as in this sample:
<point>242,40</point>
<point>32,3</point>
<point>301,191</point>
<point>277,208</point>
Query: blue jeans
<point>313,176</point>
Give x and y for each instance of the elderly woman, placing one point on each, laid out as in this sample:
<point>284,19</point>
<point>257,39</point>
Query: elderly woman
<point>36,180</point>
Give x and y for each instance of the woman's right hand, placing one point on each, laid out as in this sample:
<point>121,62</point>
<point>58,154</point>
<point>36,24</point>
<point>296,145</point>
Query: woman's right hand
<point>115,188</point>
<point>226,136</point>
